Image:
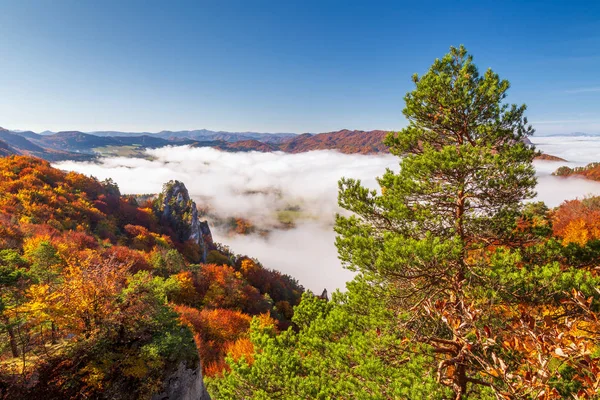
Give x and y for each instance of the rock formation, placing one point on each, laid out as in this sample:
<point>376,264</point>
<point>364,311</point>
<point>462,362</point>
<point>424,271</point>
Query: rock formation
<point>324,295</point>
<point>176,210</point>
<point>184,384</point>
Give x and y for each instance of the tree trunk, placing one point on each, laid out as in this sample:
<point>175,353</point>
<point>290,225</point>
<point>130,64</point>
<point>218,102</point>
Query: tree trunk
<point>53,333</point>
<point>13,342</point>
<point>460,382</point>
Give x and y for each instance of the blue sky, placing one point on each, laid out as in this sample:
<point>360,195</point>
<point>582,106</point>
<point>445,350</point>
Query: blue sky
<point>282,66</point>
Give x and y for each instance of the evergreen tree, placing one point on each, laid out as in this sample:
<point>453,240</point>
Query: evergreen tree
<point>342,349</point>
<point>460,288</point>
<point>464,172</point>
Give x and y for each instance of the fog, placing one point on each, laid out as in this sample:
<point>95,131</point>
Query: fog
<point>253,185</point>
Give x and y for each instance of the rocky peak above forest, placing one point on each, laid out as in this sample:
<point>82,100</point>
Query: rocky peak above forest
<point>176,210</point>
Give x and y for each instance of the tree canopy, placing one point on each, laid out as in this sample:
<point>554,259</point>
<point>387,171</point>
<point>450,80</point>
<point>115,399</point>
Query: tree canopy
<point>463,287</point>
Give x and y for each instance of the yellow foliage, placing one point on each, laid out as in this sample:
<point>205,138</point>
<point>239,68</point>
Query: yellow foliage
<point>94,375</point>
<point>32,243</point>
<point>187,292</point>
<point>576,232</point>
<point>43,305</point>
<point>248,265</point>
<point>265,321</point>
<point>135,367</point>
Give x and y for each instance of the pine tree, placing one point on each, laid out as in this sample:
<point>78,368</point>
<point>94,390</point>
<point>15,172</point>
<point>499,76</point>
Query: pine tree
<point>461,288</point>
<point>464,172</point>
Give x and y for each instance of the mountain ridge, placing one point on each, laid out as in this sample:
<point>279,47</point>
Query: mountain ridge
<point>81,145</point>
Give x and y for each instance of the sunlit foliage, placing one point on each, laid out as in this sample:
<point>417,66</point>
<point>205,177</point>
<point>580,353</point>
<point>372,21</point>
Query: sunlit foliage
<point>91,285</point>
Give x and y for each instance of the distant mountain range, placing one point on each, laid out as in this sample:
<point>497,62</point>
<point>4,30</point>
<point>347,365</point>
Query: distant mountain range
<point>75,145</point>
<point>30,143</point>
<point>199,135</point>
<point>56,146</point>
<point>572,134</point>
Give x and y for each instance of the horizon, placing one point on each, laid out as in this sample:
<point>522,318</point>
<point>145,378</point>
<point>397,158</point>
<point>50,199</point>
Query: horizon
<point>538,134</point>
<point>273,67</point>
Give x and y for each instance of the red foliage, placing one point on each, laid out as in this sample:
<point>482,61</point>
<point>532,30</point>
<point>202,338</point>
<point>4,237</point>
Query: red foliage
<point>345,141</point>
<point>221,286</point>
<point>214,331</point>
<point>124,255</point>
<point>577,221</point>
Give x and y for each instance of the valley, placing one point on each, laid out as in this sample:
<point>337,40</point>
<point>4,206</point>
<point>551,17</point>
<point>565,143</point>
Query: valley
<point>299,200</point>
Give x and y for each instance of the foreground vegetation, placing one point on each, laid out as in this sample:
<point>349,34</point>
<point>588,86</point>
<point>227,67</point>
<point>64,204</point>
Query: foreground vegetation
<point>462,291</point>
<point>100,297</point>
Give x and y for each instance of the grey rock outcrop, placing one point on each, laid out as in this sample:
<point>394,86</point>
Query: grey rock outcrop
<point>324,295</point>
<point>178,211</point>
<point>184,384</point>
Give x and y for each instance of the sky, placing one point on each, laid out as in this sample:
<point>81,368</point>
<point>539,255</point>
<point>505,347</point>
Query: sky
<point>282,66</point>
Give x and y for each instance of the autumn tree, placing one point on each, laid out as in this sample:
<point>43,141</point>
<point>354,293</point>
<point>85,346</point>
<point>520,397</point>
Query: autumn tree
<point>88,283</point>
<point>215,330</point>
<point>464,171</point>
<point>12,274</point>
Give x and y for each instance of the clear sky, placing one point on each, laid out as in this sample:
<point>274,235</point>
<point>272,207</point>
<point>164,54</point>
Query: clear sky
<point>282,66</point>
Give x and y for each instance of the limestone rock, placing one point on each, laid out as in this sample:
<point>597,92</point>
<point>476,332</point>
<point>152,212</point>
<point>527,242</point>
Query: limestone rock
<point>324,295</point>
<point>178,211</point>
<point>184,384</point>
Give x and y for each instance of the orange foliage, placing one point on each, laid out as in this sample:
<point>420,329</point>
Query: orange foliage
<point>10,234</point>
<point>241,348</point>
<point>577,221</point>
<point>33,191</point>
<point>222,287</point>
<point>243,226</point>
<point>215,331</point>
<point>90,287</point>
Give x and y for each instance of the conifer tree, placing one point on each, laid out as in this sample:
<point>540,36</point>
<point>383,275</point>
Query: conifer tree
<point>464,172</point>
<point>461,288</point>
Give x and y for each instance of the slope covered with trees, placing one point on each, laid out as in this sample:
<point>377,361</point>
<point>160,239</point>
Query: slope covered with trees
<point>590,171</point>
<point>101,297</point>
<point>5,149</point>
<point>462,290</point>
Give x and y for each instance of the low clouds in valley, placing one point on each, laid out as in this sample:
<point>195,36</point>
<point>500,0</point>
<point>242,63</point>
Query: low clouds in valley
<point>254,185</point>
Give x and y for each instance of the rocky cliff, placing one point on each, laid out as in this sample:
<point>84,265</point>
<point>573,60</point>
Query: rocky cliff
<point>176,210</point>
<point>184,384</point>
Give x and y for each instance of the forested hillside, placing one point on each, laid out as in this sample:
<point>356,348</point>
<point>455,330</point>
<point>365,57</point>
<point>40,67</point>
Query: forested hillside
<point>101,297</point>
<point>590,171</point>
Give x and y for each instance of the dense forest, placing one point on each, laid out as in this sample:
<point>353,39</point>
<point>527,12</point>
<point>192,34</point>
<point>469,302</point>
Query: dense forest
<point>465,287</point>
<point>101,297</point>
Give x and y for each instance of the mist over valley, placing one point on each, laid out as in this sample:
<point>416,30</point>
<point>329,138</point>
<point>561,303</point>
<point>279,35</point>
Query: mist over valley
<point>288,201</point>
